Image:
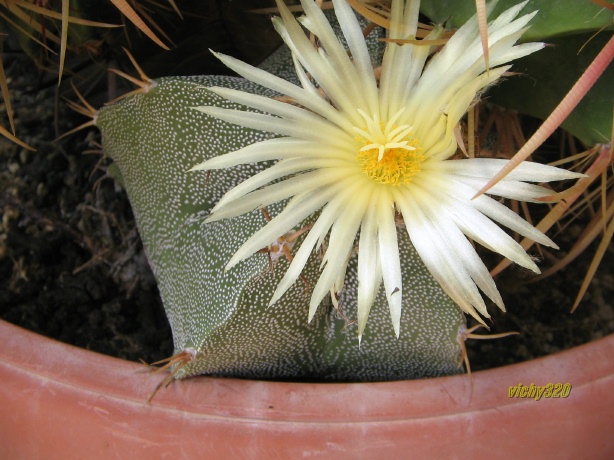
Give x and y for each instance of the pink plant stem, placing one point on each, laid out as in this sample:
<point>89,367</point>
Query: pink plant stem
<point>567,198</point>
<point>480,6</point>
<point>558,115</point>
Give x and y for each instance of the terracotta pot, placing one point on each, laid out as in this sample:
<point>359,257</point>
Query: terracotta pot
<point>62,402</point>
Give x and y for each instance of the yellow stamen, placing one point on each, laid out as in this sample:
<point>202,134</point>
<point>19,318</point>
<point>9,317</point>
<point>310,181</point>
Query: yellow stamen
<point>389,155</point>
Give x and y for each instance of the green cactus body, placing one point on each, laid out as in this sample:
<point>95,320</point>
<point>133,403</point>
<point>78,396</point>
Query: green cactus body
<point>222,317</point>
<point>154,138</point>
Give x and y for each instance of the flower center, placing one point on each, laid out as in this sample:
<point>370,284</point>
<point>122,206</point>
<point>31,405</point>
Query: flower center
<point>389,154</point>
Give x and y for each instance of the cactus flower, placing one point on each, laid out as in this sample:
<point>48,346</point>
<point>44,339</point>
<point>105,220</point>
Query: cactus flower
<point>372,152</point>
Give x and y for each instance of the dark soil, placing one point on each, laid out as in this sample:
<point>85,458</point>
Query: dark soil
<point>540,312</point>
<point>71,263</point>
<point>72,266</point>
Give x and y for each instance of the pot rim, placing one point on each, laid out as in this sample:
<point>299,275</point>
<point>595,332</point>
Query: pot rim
<point>50,360</point>
<point>63,402</point>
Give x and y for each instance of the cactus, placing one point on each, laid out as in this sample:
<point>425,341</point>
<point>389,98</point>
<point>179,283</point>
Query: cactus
<point>154,138</point>
<point>373,155</point>
<point>221,319</point>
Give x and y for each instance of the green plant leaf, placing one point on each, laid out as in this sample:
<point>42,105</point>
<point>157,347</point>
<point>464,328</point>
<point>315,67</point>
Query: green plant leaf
<point>563,17</point>
<point>548,75</point>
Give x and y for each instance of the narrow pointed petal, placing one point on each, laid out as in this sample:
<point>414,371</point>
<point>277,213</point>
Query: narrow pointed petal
<point>462,250</point>
<point>486,168</point>
<point>272,194</point>
<point>320,229</point>
<point>495,210</point>
<point>484,231</point>
<point>282,110</point>
<point>281,169</point>
<point>513,190</point>
<point>368,259</point>
<point>340,245</point>
<point>391,264</point>
<point>271,149</point>
<point>424,238</point>
<point>292,34</point>
<point>360,54</point>
<point>281,86</point>
<point>284,126</point>
<point>283,223</point>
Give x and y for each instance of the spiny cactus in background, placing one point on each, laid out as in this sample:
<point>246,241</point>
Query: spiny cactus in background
<point>44,30</point>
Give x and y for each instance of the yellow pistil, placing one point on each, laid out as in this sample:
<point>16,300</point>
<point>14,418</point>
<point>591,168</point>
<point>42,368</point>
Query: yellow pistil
<point>389,155</point>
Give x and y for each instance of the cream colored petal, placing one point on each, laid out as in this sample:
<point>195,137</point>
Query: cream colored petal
<point>315,21</point>
<point>401,65</point>
<point>283,223</point>
<point>464,39</point>
<point>480,228</point>
<point>511,220</point>
<point>309,129</point>
<point>527,171</point>
<point>340,245</point>
<point>457,101</point>
<point>360,54</point>
<point>494,210</point>
<point>389,257</point>
<point>305,79</point>
<point>484,231</point>
<point>332,83</point>
<point>274,193</point>
<point>277,108</point>
<point>464,47</point>
<point>369,277</point>
<point>460,248</point>
<point>425,239</point>
<point>513,190</point>
<point>506,21</point>
<point>281,169</point>
<point>325,220</point>
<point>302,96</point>
<point>273,149</point>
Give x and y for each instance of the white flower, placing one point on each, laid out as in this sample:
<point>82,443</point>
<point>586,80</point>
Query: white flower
<point>374,157</point>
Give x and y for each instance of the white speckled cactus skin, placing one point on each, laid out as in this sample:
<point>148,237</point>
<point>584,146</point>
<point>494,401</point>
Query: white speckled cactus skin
<point>154,138</point>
